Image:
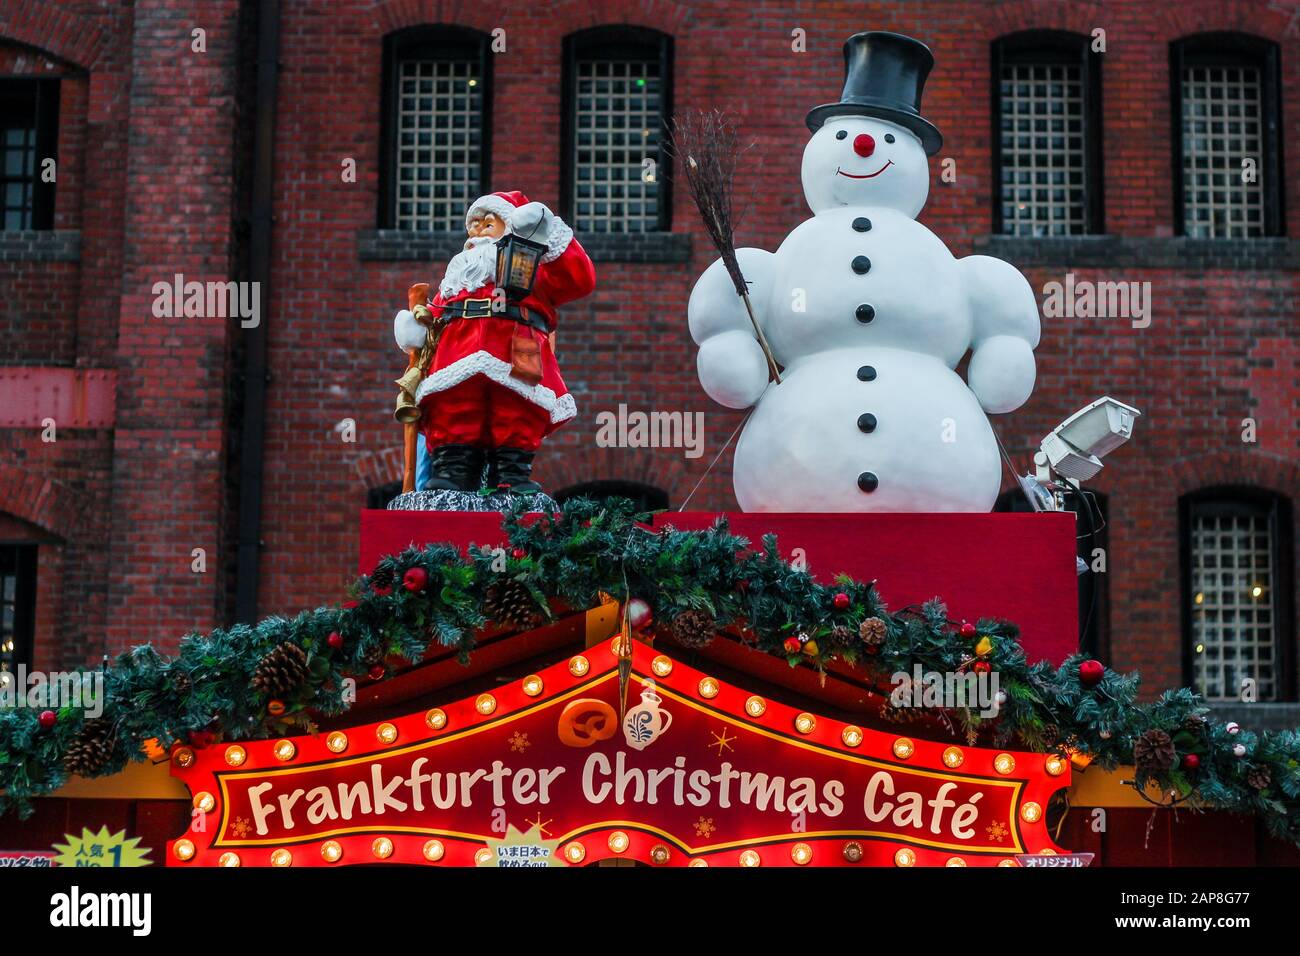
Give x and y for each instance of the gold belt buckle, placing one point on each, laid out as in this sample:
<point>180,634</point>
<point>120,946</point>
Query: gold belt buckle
<point>484,304</point>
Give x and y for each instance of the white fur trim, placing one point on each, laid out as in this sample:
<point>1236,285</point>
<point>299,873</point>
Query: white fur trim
<point>409,333</point>
<point>558,238</point>
<point>561,407</point>
<point>501,208</point>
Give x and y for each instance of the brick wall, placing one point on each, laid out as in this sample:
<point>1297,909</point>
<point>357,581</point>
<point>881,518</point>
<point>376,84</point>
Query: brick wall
<point>154,196</point>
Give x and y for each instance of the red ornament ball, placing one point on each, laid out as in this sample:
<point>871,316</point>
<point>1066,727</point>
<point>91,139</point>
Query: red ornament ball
<point>1191,761</point>
<point>518,554</point>
<point>983,667</point>
<point>792,645</point>
<point>377,672</point>
<point>275,708</point>
<point>48,719</point>
<point>415,579</point>
<point>841,601</point>
<point>1091,673</point>
<point>638,614</point>
<point>335,641</point>
<point>967,629</point>
<point>383,592</point>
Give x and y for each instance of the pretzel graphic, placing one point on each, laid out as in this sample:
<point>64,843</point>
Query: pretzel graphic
<point>585,721</point>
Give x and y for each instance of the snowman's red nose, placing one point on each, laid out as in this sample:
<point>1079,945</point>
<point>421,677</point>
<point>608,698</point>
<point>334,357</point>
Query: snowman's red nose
<point>864,144</point>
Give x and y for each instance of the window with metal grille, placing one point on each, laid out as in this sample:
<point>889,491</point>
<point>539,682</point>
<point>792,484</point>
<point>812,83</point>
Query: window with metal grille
<point>1225,103</point>
<point>1237,599</point>
<point>17,605</point>
<point>617,90</point>
<point>1047,154</point>
<point>436,127</point>
<point>28,137</point>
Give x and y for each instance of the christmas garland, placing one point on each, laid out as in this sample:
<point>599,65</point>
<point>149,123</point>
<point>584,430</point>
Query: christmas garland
<point>270,679</point>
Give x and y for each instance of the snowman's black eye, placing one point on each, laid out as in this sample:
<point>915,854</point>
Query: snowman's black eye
<point>889,137</point>
<point>842,134</point>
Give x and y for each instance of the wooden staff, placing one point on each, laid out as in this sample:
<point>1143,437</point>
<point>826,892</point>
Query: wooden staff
<point>417,295</point>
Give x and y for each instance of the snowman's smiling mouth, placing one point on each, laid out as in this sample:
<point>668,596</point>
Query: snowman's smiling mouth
<point>840,172</point>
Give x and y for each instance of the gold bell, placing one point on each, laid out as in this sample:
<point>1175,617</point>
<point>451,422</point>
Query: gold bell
<point>407,412</point>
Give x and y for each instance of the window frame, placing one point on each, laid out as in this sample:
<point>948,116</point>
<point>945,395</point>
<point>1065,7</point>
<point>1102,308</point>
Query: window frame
<point>1227,48</point>
<point>1054,46</point>
<point>25,570</point>
<point>425,41</point>
<point>44,95</point>
<point>1237,500</point>
<point>616,40</point>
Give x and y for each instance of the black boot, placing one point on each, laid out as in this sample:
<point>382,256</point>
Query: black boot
<point>510,470</point>
<point>456,468</point>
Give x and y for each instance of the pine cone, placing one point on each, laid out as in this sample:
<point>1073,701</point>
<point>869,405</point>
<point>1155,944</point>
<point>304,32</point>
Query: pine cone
<point>1193,723</point>
<point>694,628</point>
<point>92,748</point>
<point>374,654</point>
<point>510,602</point>
<point>1051,734</point>
<point>840,634</point>
<point>381,578</point>
<point>281,672</point>
<point>181,683</point>
<point>1259,777</point>
<point>1154,752</point>
<point>873,631</point>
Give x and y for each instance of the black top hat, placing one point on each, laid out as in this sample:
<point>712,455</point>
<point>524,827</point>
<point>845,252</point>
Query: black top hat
<point>884,75</point>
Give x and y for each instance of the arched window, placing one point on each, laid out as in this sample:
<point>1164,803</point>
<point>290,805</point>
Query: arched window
<point>1047,144</point>
<point>17,604</point>
<point>1237,602</point>
<point>646,497</point>
<point>436,124</point>
<point>1093,549</point>
<point>29,132</point>
<point>617,101</point>
<point>1227,169</point>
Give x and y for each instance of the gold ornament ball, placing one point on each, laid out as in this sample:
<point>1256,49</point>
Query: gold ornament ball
<point>575,852</point>
<point>386,733</point>
<point>618,841</point>
<point>903,748</point>
<point>905,857</point>
<point>337,742</point>
<point>184,850</point>
<point>436,719</point>
<point>433,850</point>
<point>236,755</point>
<point>485,704</point>
<point>659,854</point>
<point>708,688</point>
<point>805,723</point>
<point>204,801</point>
<point>285,750</point>
<point>662,665</point>
<point>331,851</point>
<point>281,857</point>
<point>579,665</point>
<point>382,848</point>
<point>755,706</point>
<point>532,685</point>
<point>801,853</point>
<point>1004,763</point>
<point>750,858</point>
<point>228,859</point>
<point>852,736</point>
<point>953,757</point>
<point>853,851</point>
<point>1031,813</point>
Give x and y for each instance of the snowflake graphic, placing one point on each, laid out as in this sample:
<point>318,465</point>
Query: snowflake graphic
<point>704,827</point>
<point>519,742</point>
<point>241,827</point>
<point>996,832</point>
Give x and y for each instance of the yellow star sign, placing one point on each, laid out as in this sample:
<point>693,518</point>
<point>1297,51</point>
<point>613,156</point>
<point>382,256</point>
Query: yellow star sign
<point>524,849</point>
<point>101,849</point>
<point>722,741</point>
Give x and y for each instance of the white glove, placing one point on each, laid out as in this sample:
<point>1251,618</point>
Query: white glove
<point>409,333</point>
<point>532,221</point>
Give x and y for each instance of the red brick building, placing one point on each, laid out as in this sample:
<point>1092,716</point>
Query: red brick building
<point>131,445</point>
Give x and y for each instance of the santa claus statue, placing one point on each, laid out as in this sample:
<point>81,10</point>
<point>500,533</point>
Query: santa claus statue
<point>484,375</point>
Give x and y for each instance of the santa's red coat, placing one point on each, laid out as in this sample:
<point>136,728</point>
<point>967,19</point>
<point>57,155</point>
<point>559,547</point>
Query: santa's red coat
<point>471,347</point>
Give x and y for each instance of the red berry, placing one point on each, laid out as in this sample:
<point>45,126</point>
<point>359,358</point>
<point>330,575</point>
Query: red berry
<point>48,719</point>
<point>967,629</point>
<point>415,579</point>
<point>1091,673</point>
<point>377,672</point>
<point>841,601</point>
<point>983,667</point>
<point>383,592</point>
<point>1191,761</point>
<point>518,554</point>
<point>792,645</point>
<point>335,640</point>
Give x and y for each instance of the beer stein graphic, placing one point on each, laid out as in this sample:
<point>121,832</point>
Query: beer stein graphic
<point>647,721</point>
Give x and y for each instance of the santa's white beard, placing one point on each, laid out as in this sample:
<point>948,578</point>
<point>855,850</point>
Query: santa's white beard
<point>471,269</point>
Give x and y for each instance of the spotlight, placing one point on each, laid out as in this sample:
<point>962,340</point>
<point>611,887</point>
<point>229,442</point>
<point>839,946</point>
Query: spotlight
<point>1075,447</point>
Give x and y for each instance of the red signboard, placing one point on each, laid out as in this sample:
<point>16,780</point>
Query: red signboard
<point>544,772</point>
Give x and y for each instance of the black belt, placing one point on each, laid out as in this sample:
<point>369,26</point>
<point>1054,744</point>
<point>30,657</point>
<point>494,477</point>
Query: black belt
<point>482,309</point>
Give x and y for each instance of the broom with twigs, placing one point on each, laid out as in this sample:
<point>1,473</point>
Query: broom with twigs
<point>707,145</point>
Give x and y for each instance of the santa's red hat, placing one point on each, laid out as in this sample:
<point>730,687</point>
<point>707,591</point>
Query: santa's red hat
<point>502,205</point>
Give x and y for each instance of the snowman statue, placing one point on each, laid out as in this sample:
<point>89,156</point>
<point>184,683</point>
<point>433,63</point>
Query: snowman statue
<point>868,314</point>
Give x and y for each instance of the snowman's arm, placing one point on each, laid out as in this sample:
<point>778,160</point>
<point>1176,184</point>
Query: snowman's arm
<point>731,364</point>
<point>1004,334</point>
